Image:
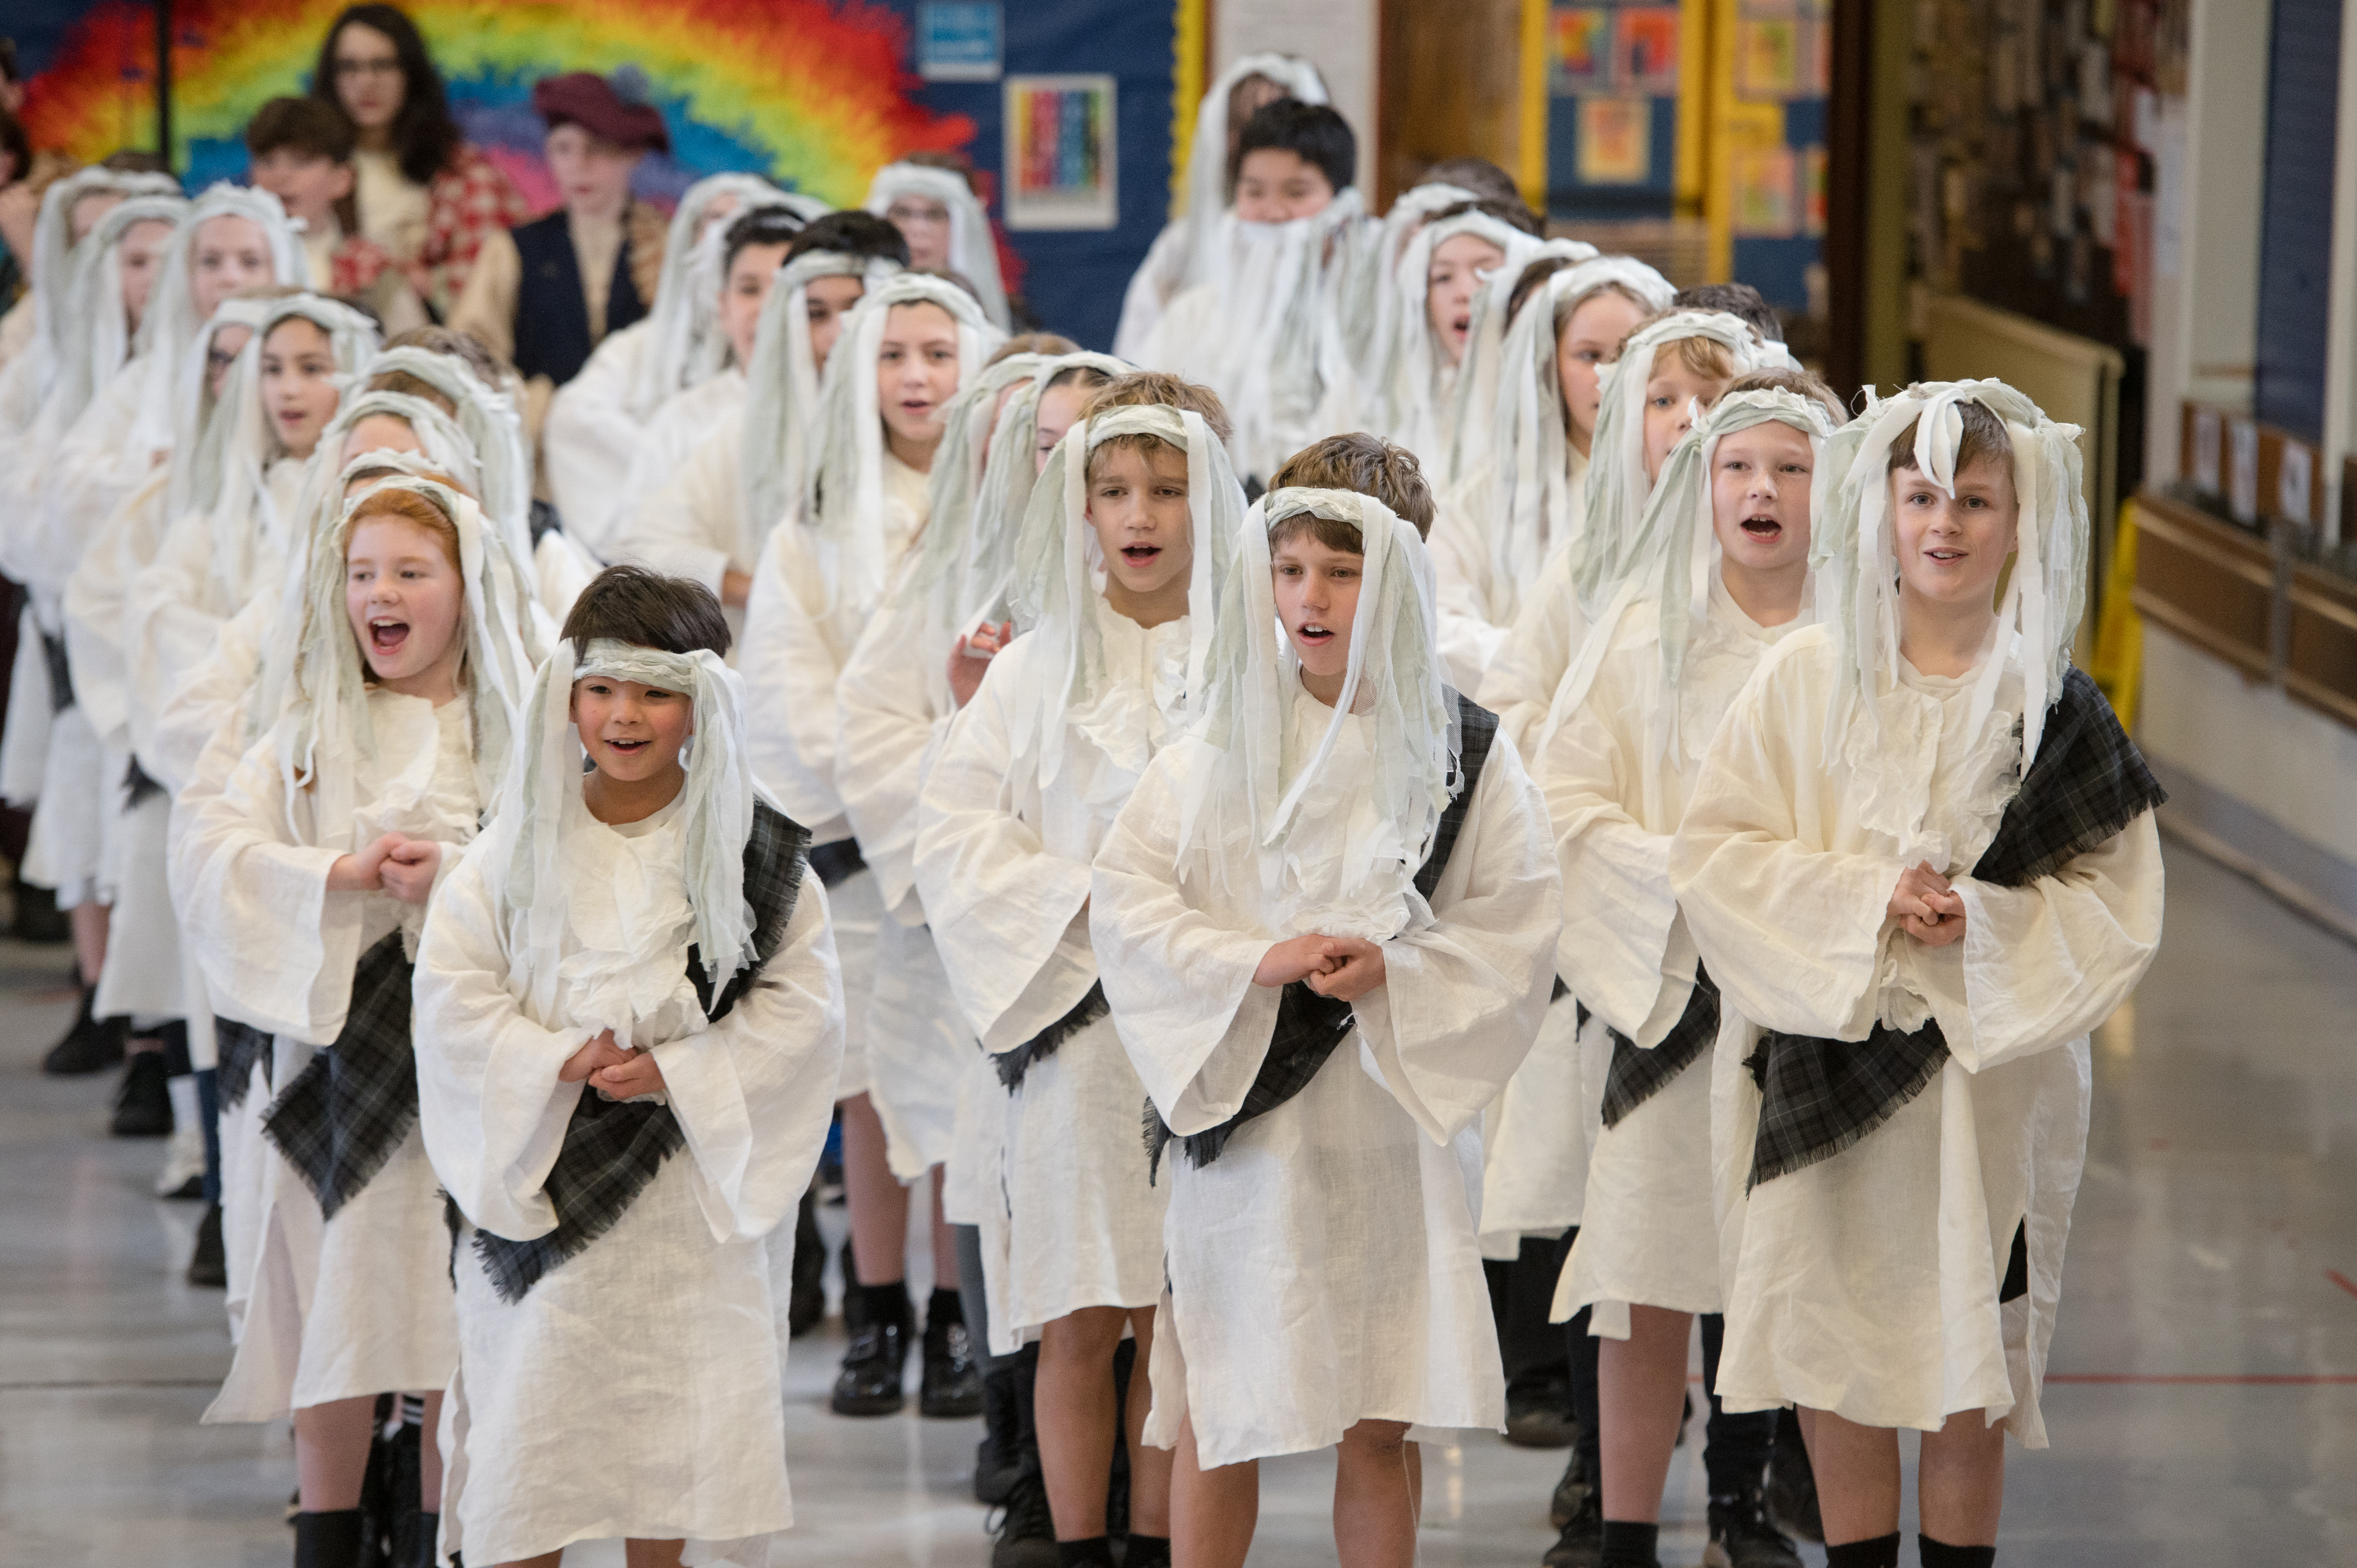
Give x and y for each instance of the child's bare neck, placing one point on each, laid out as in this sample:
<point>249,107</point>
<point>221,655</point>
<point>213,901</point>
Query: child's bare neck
<point>916,455</point>
<point>1771,597</point>
<point>1148,610</point>
<point>617,802</point>
<point>1941,639</point>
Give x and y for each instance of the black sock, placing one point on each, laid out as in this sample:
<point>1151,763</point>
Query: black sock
<point>1940,1554</point>
<point>944,1306</point>
<point>885,1304</point>
<point>1628,1544</point>
<point>1147,1551</point>
<point>331,1540</point>
<point>1882,1551</point>
<point>1096,1552</point>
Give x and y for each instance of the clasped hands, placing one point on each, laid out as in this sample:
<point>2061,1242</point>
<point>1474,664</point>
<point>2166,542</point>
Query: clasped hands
<point>1927,906</point>
<point>1345,967</point>
<point>612,1072</point>
<point>394,863</point>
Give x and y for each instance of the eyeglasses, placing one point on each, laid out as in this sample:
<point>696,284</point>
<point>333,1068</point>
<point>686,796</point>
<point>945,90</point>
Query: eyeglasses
<point>352,68</point>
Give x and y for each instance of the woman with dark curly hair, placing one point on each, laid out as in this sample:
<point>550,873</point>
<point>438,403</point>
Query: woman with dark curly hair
<point>423,193</point>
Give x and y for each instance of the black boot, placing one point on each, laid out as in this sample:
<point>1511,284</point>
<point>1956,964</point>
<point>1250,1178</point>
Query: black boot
<point>1581,1544</point>
<point>1569,1492</point>
<point>1793,1483</point>
<point>1026,1531</point>
<point>807,1305</point>
<point>873,1369</point>
<point>209,1266</point>
<point>91,1045</point>
<point>1742,1537</point>
<point>413,1538</point>
<point>329,1539</point>
<point>952,1386</point>
<point>143,1106</point>
<point>998,1458</point>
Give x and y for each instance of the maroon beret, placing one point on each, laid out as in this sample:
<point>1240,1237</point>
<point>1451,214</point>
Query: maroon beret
<point>584,99</point>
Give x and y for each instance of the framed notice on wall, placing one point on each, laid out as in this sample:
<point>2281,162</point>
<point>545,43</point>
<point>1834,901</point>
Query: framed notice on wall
<point>1060,153</point>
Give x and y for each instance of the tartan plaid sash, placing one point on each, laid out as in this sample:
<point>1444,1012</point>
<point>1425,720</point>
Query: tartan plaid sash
<point>612,1149</point>
<point>1012,1065</point>
<point>344,1113</point>
<point>1309,1025</point>
<point>1819,1096</point>
<point>1636,1074</point>
<point>239,1047</point>
<point>53,654</point>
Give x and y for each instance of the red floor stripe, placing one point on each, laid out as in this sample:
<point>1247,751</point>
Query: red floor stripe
<point>2343,1281</point>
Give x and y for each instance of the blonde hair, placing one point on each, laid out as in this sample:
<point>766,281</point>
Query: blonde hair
<point>1149,389</point>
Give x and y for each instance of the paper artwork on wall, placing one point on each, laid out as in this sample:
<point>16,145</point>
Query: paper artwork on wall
<point>1645,50</point>
<point>960,40</point>
<point>1060,153</point>
<point>1765,202</point>
<point>1581,58</point>
<point>1616,141</point>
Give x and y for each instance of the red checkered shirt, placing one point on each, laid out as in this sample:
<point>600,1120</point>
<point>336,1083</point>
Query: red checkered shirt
<point>466,203</point>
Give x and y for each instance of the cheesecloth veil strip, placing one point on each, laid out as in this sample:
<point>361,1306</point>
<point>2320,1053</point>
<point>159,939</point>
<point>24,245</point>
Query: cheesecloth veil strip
<point>321,732</point>
<point>1206,193</point>
<point>684,345</point>
<point>1409,402</point>
<point>1241,806</point>
<point>973,250</point>
<point>1473,417</point>
<point>1675,553</point>
<point>171,322</point>
<point>95,333</point>
<point>849,472</point>
<point>1854,549</point>
<point>201,421</point>
<point>538,805</point>
<point>492,426</point>
<point>1529,511</point>
<point>1059,570</point>
<point>1366,304</point>
<point>223,476</point>
<point>782,387</point>
<point>1617,483</point>
<point>1277,290</point>
<point>26,380</point>
<point>983,480</point>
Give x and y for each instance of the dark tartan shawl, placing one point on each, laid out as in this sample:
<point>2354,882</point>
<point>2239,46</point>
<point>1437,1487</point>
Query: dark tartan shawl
<point>342,1116</point>
<point>1309,1025</point>
<point>238,1047</point>
<point>1012,1065</point>
<point>1637,1075</point>
<point>1819,1096</point>
<point>612,1149</point>
<point>53,654</point>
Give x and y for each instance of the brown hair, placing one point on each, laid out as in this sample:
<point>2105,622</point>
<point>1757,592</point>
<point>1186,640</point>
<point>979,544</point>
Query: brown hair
<point>1802,383</point>
<point>1367,464</point>
<point>410,506</point>
<point>1740,300</point>
<point>1512,214</point>
<point>1150,388</point>
<point>632,605</point>
<point>464,347</point>
<point>308,125</point>
<point>957,164</point>
<point>1985,436</point>
<point>1480,176</point>
<point>1034,343</point>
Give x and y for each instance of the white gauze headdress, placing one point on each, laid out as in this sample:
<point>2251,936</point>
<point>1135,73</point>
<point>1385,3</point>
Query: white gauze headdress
<point>171,322</point>
<point>540,803</point>
<point>202,420</point>
<point>1060,571</point>
<point>96,332</point>
<point>1281,339</point>
<point>849,473</point>
<point>27,379</point>
<point>684,345</point>
<point>1676,554</point>
<point>1617,482</point>
<point>974,250</point>
<point>1854,549</point>
<point>322,730</point>
<point>782,387</point>
<point>1207,190</point>
<point>1393,682</point>
<point>493,428</point>
<point>1530,510</point>
<point>1411,404</point>
<point>1474,415</point>
<point>225,477</point>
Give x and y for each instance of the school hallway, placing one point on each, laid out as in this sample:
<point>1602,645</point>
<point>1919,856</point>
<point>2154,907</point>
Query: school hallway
<point>2202,1401</point>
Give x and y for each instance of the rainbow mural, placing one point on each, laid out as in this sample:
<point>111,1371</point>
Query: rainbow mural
<point>816,93</point>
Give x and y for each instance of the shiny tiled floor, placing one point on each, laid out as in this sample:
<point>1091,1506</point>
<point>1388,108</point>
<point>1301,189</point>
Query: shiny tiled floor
<point>2204,1408</point>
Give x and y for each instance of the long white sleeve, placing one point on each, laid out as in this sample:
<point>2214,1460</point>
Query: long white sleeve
<point>591,437</point>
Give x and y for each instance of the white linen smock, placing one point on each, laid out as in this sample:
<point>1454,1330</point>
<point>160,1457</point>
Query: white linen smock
<point>1867,1283</point>
<point>635,1390</point>
<point>1649,1234</point>
<point>1322,1271</point>
<point>1005,863</point>
<point>359,1304</point>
